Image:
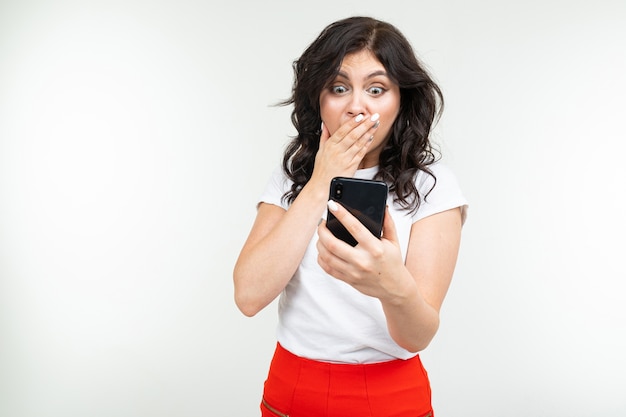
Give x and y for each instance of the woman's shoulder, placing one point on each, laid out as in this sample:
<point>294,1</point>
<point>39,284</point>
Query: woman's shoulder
<point>434,174</point>
<point>276,187</point>
<point>439,191</point>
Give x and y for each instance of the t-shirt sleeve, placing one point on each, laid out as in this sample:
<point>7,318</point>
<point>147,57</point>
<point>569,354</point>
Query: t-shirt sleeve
<point>275,188</point>
<point>444,196</point>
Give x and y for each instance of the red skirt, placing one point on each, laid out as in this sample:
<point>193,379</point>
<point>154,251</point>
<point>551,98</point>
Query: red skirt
<point>299,387</point>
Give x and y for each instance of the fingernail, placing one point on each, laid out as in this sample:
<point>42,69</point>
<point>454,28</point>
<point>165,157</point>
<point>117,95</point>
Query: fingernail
<point>376,124</point>
<point>375,117</point>
<point>332,206</point>
<point>371,138</point>
<point>359,117</point>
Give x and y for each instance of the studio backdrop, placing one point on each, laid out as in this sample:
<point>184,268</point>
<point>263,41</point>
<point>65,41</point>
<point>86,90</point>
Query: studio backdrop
<point>137,136</point>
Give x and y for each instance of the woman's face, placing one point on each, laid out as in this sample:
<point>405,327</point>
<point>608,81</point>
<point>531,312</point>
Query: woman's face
<point>362,86</point>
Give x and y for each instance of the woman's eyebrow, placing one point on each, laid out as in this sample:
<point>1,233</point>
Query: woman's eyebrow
<point>377,73</point>
<point>370,75</point>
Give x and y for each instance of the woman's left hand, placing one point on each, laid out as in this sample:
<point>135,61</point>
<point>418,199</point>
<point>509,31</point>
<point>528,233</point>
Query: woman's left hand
<point>374,266</point>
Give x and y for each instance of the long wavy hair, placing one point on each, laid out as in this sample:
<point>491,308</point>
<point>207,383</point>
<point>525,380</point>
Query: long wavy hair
<point>408,149</point>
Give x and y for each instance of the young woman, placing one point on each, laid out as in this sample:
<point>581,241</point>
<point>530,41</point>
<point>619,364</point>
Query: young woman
<point>353,319</point>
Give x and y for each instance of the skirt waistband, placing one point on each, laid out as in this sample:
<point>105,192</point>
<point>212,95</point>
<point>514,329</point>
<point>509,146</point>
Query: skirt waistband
<point>301,387</point>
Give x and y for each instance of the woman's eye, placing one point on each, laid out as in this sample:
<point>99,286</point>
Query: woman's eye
<point>375,91</point>
<point>338,89</point>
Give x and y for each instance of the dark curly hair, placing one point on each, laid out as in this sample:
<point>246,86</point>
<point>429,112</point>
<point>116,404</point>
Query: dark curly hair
<point>408,149</point>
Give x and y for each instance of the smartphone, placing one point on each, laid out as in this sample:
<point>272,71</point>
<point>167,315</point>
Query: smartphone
<point>365,199</point>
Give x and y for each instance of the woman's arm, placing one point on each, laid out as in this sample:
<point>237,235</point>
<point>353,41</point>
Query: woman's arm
<point>279,238</point>
<point>274,249</point>
<point>411,292</point>
<point>413,315</point>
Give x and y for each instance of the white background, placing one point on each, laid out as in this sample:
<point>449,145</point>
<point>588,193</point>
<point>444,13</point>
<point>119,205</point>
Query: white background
<point>136,136</point>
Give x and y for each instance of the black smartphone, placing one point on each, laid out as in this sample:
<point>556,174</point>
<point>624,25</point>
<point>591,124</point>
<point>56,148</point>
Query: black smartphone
<point>365,199</point>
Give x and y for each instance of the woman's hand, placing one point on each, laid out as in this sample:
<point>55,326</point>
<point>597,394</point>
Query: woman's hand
<point>374,266</point>
<point>273,252</point>
<point>411,293</point>
<point>340,154</point>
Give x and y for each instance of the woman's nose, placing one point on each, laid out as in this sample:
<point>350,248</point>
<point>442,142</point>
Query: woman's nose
<point>356,105</point>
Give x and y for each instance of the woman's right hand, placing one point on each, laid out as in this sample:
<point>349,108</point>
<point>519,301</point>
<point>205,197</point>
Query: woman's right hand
<point>273,251</point>
<point>340,154</point>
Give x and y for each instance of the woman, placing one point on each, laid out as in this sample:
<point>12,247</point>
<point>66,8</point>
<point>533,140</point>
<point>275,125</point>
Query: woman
<point>353,319</point>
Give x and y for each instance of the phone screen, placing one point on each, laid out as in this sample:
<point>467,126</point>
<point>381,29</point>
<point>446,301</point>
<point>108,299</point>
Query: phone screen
<point>365,199</point>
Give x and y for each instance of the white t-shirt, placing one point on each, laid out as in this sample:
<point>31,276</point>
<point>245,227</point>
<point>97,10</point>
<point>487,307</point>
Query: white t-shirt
<point>325,319</point>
